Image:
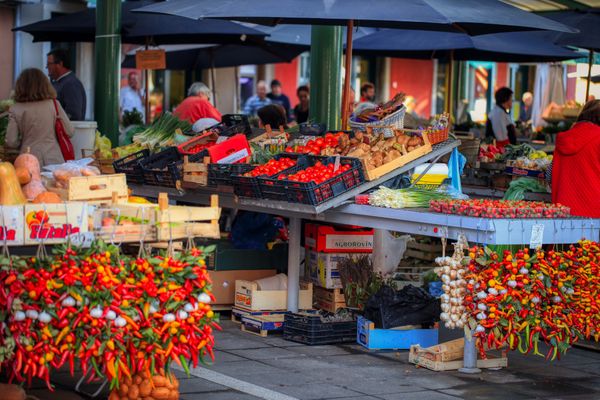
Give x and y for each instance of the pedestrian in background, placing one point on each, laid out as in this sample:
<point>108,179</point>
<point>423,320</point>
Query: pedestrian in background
<point>258,101</point>
<point>69,90</point>
<point>301,109</point>
<point>131,96</point>
<point>367,93</point>
<point>197,105</point>
<point>526,107</point>
<point>272,115</point>
<point>277,97</point>
<point>31,120</point>
<point>499,124</point>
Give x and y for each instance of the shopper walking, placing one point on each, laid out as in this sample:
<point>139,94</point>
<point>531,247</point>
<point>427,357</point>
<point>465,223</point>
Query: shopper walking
<point>131,96</point>
<point>32,118</point>
<point>197,105</point>
<point>277,97</point>
<point>576,164</point>
<point>69,90</point>
<point>258,101</point>
<point>301,109</point>
<point>499,124</point>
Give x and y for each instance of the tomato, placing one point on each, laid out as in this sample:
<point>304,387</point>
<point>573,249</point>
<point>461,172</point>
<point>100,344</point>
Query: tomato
<point>320,142</point>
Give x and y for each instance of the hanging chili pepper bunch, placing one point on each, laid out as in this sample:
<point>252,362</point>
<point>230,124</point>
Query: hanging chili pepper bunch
<point>110,314</point>
<point>523,298</point>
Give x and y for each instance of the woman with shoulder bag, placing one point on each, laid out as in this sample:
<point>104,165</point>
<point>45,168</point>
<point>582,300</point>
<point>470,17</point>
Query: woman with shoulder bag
<point>37,122</point>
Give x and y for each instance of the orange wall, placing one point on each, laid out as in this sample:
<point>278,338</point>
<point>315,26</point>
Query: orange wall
<point>287,74</point>
<point>415,78</point>
<point>7,22</point>
<point>501,75</point>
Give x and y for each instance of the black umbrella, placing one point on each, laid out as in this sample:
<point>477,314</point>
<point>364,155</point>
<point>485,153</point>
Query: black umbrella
<point>226,55</point>
<point>469,16</point>
<point>588,37</point>
<point>140,28</point>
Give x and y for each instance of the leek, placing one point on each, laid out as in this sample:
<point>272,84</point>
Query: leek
<point>412,197</point>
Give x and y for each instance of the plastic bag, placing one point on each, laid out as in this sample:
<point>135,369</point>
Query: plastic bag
<point>389,308</point>
<point>61,173</point>
<point>387,261</point>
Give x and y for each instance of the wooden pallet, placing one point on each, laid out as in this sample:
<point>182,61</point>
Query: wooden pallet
<point>373,174</point>
<point>181,222</point>
<point>448,356</point>
<point>195,174</point>
<point>261,325</point>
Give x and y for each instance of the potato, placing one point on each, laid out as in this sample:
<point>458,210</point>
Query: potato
<point>123,389</point>
<point>145,388</point>
<point>127,381</point>
<point>358,153</point>
<point>160,393</point>
<point>159,381</point>
<point>137,380</point>
<point>174,395</point>
<point>114,395</point>
<point>134,392</point>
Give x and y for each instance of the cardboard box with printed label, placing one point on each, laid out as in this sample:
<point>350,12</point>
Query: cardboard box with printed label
<point>53,223</point>
<point>338,239</point>
<point>223,282</point>
<point>11,225</point>
<point>322,270</point>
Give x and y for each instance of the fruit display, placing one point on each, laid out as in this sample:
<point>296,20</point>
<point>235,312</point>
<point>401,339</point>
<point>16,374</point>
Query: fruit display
<point>141,386</point>
<point>111,315</point>
<point>272,167</point>
<point>489,153</point>
<point>318,173</point>
<point>537,161</point>
<point>162,131</point>
<point>523,298</point>
<point>487,208</point>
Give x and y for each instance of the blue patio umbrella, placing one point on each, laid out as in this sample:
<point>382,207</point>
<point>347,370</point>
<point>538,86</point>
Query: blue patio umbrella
<point>470,16</point>
<point>502,47</point>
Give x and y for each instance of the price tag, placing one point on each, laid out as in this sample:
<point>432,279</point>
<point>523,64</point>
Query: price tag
<point>337,163</point>
<point>537,236</point>
<point>82,239</point>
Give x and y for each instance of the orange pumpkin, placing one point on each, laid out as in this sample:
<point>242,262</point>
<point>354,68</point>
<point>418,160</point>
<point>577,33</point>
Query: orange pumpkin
<point>47,198</point>
<point>10,188</point>
<point>23,175</point>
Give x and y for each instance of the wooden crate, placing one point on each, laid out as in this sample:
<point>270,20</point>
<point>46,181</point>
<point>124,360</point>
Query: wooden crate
<point>181,222</point>
<point>247,296</point>
<point>96,190</point>
<point>329,300</point>
<point>143,228</point>
<point>238,313</point>
<point>372,174</point>
<point>195,174</point>
<point>449,356</point>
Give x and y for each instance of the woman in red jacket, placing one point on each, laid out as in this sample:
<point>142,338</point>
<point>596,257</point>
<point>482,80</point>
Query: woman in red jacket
<point>576,164</point>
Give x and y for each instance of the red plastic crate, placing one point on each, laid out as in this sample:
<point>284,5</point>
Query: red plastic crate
<point>233,150</point>
<point>338,239</point>
<point>208,139</point>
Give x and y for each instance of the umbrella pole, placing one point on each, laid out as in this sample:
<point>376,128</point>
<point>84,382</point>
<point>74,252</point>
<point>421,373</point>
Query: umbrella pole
<point>348,75</point>
<point>589,77</point>
<point>147,88</point>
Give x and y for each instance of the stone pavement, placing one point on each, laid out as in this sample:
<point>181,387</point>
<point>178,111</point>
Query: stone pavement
<point>250,367</point>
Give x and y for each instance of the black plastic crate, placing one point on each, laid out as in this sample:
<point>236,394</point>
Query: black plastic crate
<point>232,124</point>
<point>249,186</point>
<point>310,192</point>
<point>166,167</point>
<point>311,330</point>
<point>220,174</point>
<point>130,166</point>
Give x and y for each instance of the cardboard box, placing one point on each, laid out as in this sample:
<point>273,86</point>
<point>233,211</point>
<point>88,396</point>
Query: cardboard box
<point>53,223</point>
<point>328,299</point>
<point>11,225</point>
<point>338,239</point>
<point>223,282</point>
<point>249,297</point>
<point>321,268</point>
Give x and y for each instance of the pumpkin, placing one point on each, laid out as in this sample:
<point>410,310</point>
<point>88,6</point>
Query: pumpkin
<point>10,188</point>
<point>23,175</point>
<point>12,392</point>
<point>47,198</point>
<point>31,164</point>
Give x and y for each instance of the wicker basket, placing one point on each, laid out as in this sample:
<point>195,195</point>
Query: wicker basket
<point>438,135</point>
<point>386,125</point>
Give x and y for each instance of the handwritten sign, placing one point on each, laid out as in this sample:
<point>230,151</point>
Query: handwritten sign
<point>150,59</point>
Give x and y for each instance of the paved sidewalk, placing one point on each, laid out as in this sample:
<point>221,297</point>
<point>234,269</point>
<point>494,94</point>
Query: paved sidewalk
<point>250,367</point>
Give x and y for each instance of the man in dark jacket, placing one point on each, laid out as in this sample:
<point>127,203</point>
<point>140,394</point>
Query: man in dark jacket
<point>277,97</point>
<point>69,90</point>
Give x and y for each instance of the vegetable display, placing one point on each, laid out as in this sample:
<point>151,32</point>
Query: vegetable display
<point>381,111</point>
<point>489,153</point>
<point>162,131</point>
<point>452,273</point>
<point>528,297</point>
<point>318,173</point>
<point>112,315</point>
<point>518,188</point>
<point>10,189</point>
<point>412,197</point>
<point>34,186</point>
<point>320,145</point>
<point>272,167</point>
<point>500,208</point>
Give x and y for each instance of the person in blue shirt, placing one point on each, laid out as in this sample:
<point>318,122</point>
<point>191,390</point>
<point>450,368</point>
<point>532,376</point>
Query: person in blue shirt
<point>258,101</point>
<point>277,97</point>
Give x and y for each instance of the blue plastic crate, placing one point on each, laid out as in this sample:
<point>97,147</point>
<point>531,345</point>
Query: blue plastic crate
<point>392,339</point>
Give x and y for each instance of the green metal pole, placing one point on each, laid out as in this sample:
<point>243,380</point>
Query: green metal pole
<point>326,76</point>
<point>108,68</point>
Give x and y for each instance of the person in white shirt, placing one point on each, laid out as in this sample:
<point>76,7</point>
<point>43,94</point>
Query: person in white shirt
<point>131,96</point>
<point>499,125</point>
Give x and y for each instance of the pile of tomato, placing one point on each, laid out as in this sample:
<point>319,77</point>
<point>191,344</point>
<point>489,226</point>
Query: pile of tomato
<point>316,146</point>
<point>197,148</point>
<point>272,167</point>
<point>318,173</point>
